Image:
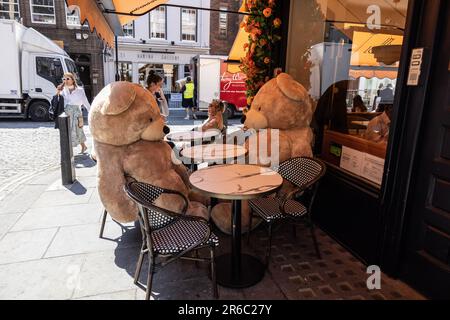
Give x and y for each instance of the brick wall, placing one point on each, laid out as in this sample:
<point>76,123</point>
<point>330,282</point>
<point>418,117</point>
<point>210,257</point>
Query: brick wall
<point>92,46</point>
<point>221,45</point>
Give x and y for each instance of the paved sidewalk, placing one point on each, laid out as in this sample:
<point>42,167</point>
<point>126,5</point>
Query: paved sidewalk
<point>50,249</point>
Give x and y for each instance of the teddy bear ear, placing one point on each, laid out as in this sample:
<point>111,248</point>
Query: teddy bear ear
<point>118,98</point>
<point>291,88</point>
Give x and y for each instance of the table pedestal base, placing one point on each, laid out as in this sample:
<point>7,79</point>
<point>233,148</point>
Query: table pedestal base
<point>250,273</point>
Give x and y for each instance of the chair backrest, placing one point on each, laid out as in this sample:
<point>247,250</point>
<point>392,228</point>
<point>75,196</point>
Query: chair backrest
<point>145,195</point>
<point>302,171</point>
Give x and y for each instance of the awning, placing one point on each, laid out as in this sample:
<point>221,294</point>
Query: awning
<point>109,24</point>
<point>364,44</point>
<point>373,73</point>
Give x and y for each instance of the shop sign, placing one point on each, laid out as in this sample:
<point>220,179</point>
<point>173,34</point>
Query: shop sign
<point>415,67</point>
<point>176,97</point>
<point>138,56</point>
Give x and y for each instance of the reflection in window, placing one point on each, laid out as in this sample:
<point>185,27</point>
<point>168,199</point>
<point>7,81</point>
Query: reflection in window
<point>188,24</point>
<point>349,67</point>
<point>158,23</point>
<point>9,9</point>
<point>42,11</point>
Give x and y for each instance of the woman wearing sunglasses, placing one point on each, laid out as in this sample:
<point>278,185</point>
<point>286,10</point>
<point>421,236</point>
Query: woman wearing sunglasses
<point>74,97</point>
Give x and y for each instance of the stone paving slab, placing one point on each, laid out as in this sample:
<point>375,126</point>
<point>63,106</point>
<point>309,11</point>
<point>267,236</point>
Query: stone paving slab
<point>40,279</point>
<point>25,245</point>
<point>120,295</point>
<point>61,216</point>
<point>62,197</point>
<point>107,272</point>
<point>84,239</point>
<point>7,221</point>
<point>21,200</point>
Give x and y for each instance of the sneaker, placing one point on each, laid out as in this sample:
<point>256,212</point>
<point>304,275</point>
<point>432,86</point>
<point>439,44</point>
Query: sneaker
<point>186,118</point>
<point>195,117</point>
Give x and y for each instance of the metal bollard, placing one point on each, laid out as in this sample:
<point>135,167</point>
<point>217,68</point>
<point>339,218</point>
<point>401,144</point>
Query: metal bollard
<point>65,141</point>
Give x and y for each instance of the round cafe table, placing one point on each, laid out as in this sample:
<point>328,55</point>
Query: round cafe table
<point>236,182</point>
<point>218,153</point>
<point>194,137</point>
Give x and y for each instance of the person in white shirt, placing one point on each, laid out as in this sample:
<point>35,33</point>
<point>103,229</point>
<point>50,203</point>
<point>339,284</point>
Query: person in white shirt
<point>74,98</point>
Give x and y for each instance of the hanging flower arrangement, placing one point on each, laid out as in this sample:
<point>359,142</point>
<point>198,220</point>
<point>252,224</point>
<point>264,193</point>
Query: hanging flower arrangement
<point>262,26</point>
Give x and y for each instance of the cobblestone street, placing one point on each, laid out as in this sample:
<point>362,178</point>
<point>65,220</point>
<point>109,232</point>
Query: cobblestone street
<point>26,148</point>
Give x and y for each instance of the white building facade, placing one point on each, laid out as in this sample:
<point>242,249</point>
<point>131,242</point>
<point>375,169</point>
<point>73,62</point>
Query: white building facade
<point>164,40</point>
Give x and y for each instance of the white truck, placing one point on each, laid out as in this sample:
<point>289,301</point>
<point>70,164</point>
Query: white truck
<point>213,81</point>
<point>31,67</point>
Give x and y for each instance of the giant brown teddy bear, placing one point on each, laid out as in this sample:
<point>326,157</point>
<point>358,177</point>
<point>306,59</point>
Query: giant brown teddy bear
<point>282,104</point>
<point>128,133</point>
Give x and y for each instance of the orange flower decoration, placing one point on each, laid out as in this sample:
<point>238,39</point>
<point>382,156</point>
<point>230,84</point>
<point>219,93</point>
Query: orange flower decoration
<point>262,42</point>
<point>277,22</point>
<point>267,12</point>
<point>266,60</point>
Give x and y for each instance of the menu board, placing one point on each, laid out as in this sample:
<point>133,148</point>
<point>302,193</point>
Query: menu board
<point>362,164</point>
<point>352,160</point>
<point>372,168</point>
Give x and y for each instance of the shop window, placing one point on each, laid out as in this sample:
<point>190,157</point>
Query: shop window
<point>128,29</point>
<point>9,9</point>
<point>223,22</point>
<point>126,71</point>
<point>158,23</point>
<point>348,61</point>
<point>49,69</point>
<point>43,11</point>
<point>188,24</point>
<point>73,17</point>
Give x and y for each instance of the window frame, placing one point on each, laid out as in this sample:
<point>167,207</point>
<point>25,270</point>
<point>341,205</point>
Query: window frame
<point>42,14</point>
<point>72,26</point>
<point>181,26</point>
<point>223,6</point>
<point>120,69</point>
<point>134,30</point>
<point>18,9</point>
<point>56,81</point>
<point>150,25</point>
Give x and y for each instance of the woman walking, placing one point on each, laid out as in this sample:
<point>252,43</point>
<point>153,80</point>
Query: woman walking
<point>154,84</point>
<point>74,98</point>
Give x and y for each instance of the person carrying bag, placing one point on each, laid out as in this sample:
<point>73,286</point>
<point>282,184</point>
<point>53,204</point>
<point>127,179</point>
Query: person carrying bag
<point>56,108</point>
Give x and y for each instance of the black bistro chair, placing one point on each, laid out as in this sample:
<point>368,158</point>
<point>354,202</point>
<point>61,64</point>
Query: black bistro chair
<point>304,173</point>
<point>168,234</point>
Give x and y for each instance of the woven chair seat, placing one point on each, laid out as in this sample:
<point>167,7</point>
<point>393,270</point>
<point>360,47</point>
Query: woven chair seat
<point>181,235</point>
<point>268,208</point>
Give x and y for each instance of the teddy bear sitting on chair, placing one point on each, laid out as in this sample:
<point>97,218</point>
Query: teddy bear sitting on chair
<point>128,133</point>
<point>281,110</point>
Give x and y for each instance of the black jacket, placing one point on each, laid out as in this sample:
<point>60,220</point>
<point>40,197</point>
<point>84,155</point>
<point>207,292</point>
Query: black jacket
<point>58,107</point>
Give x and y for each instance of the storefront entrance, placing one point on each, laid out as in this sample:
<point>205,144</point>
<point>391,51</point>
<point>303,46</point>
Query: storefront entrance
<point>426,260</point>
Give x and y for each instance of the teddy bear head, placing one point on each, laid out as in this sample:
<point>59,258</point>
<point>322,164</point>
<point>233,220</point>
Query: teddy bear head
<point>281,103</point>
<point>123,113</point>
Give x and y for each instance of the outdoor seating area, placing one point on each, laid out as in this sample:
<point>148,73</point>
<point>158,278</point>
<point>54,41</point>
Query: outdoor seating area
<point>67,259</point>
<point>283,260</point>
